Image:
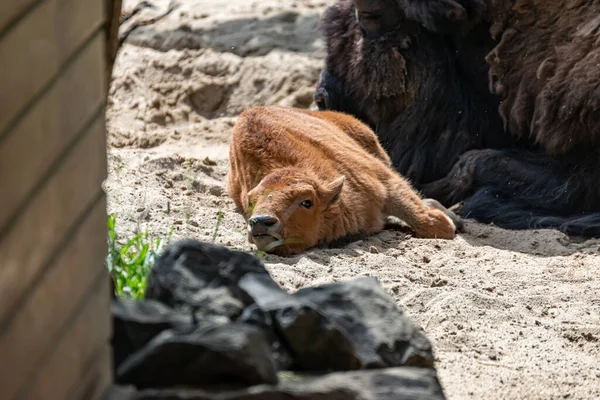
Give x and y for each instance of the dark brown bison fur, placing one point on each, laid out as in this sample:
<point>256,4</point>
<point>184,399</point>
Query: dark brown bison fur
<point>492,102</point>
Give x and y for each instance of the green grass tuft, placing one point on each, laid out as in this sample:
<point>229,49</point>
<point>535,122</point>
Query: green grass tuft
<point>130,263</point>
<point>216,231</point>
<point>260,254</point>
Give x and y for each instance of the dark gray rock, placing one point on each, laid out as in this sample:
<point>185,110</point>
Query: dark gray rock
<point>233,353</point>
<point>381,334</point>
<point>203,277</point>
<point>300,334</point>
<point>405,383</point>
<point>213,316</point>
<point>308,340</point>
<point>265,291</point>
<point>135,323</point>
<point>340,326</point>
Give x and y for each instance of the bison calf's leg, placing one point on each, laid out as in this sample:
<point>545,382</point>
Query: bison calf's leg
<point>428,219</point>
<point>458,223</point>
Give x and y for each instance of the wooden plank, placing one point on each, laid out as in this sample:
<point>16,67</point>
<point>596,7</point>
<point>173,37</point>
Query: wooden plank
<point>76,351</point>
<point>98,379</point>
<point>35,326</point>
<point>38,140</point>
<point>11,9</point>
<point>42,226</point>
<point>35,50</point>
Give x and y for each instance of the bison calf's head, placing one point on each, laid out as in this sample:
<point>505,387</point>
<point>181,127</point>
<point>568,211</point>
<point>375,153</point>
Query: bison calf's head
<point>287,211</point>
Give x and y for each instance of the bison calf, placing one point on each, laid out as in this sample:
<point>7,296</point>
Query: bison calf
<point>305,178</point>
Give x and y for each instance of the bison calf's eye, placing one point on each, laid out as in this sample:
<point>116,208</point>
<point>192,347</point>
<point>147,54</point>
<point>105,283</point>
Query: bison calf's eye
<point>306,204</point>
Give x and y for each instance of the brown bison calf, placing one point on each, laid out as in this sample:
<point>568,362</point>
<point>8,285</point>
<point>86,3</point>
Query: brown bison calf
<point>305,178</point>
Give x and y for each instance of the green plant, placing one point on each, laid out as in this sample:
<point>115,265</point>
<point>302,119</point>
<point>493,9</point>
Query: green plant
<point>130,263</point>
<point>260,254</point>
<point>219,219</point>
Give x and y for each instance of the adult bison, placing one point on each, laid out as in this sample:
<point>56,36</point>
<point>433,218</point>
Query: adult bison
<point>491,102</point>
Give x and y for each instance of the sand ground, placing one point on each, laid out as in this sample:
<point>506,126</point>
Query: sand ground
<point>512,315</point>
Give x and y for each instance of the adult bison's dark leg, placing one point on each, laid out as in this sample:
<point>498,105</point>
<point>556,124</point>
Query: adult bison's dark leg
<point>489,206</point>
<point>461,180</point>
<point>521,190</point>
<point>517,174</point>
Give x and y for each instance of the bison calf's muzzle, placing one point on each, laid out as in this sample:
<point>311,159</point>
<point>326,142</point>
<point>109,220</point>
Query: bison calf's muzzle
<point>262,224</point>
<point>264,230</point>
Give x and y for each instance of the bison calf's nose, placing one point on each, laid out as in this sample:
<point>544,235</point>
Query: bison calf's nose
<point>262,224</point>
<point>265,220</point>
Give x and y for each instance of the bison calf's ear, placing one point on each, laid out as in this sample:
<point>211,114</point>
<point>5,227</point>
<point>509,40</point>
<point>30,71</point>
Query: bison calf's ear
<point>332,191</point>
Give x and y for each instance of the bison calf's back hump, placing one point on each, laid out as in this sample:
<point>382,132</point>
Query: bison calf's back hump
<point>304,178</point>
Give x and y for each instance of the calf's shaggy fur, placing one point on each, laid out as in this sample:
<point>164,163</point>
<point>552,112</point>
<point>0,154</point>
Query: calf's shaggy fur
<point>306,178</point>
<point>492,102</point>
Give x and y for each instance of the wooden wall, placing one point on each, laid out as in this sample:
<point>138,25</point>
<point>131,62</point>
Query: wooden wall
<point>55,296</point>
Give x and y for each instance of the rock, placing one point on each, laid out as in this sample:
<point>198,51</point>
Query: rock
<point>383,384</point>
<point>217,301</point>
<point>233,353</point>
<point>203,277</point>
<point>382,335</point>
<point>265,291</point>
<point>135,323</point>
<point>309,340</point>
<point>340,326</point>
<point>297,328</point>
<point>213,316</point>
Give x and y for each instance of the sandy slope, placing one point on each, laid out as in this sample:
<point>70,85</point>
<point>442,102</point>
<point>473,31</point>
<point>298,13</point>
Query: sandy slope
<point>512,315</point>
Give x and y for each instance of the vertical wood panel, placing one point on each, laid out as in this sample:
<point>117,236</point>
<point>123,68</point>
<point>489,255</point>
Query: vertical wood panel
<point>39,139</point>
<point>99,377</point>
<point>35,50</point>
<point>49,217</point>
<point>55,320</point>
<point>76,351</point>
<point>11,9</point>
<point>37,324</point>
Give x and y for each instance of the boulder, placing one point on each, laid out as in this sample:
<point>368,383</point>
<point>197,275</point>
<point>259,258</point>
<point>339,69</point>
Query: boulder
<point>213,316</point>
<point>135,323</point>
<point>203,277</point>
<point>381,334</point>
<point>405,383</point>
<point>211,354</point>
<point>341,326</point>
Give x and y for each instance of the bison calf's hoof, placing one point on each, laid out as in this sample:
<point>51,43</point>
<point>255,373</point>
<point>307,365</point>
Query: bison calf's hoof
<point>437,225</point>
<point>458,222</point>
